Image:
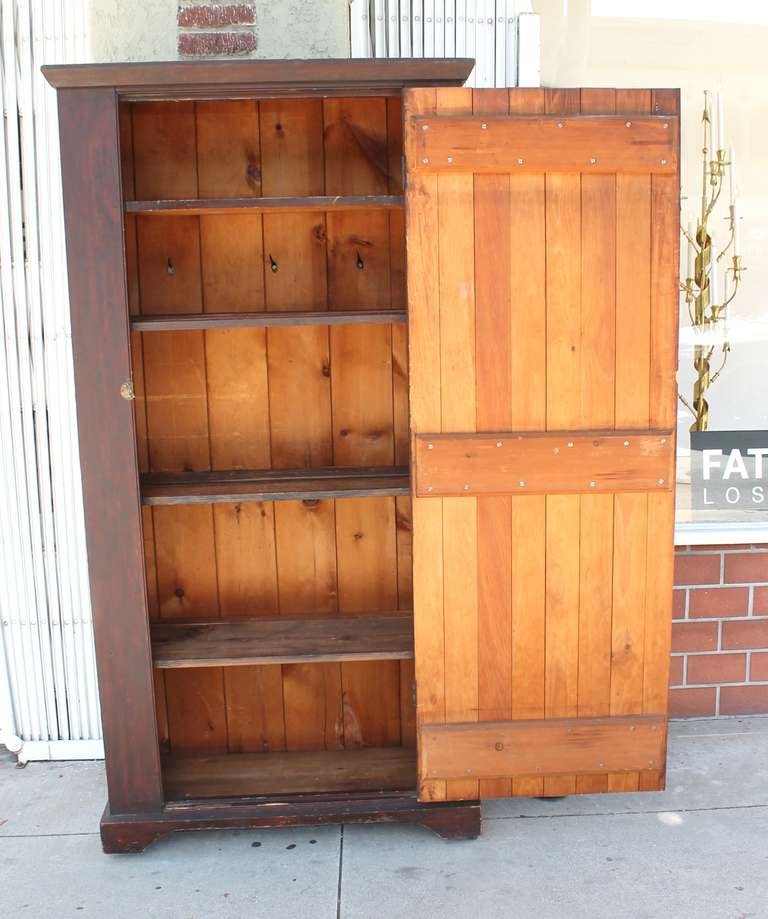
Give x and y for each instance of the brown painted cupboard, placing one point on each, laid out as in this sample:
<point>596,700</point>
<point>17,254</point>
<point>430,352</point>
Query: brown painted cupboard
<point>376,395</point>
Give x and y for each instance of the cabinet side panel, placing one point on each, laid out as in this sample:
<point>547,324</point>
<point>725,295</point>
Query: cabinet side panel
<point>97,286</point>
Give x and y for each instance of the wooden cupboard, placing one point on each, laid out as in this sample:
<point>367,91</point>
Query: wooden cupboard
<point>368,541</point>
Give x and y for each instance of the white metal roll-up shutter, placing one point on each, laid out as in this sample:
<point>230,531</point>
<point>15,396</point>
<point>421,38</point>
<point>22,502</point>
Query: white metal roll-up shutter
<point>48,691</point>
<point>502,35</point>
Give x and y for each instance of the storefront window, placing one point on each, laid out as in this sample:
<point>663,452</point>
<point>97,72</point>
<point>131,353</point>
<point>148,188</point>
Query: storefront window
<point>730,476</point>
<point>722,442</point>
<point>698,46</point>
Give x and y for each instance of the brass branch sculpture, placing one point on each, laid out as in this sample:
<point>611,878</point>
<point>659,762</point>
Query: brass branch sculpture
<point>708,290</point>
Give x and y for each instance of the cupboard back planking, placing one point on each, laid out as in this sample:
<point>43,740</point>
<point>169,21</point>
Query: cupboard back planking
<point>270,398</point>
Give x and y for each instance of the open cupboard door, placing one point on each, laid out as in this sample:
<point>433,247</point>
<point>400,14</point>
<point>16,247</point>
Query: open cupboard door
<point>542,242</point>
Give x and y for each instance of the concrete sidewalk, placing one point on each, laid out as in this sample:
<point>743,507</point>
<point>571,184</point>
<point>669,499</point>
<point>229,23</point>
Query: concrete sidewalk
<point>696,851</point>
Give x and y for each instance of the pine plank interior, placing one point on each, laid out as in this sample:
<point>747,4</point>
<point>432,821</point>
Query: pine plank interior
<point>282,205</point>
<point>259,320</point>
<point>282,641</point>
<point>265,239</point>
<point>286,485</point>
<point>278,774</point>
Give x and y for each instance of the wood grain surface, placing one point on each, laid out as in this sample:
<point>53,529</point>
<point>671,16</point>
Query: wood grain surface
<point>542,313</point>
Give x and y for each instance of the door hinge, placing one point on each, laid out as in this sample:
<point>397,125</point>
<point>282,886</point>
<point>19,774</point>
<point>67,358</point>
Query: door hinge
<point>126,390</point>
<point>413,691</point>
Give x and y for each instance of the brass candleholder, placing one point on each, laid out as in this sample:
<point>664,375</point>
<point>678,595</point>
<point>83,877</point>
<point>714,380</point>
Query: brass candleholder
<point>707,306</point>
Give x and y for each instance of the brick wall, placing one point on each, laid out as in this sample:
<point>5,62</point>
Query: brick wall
<point>208,29</point>
<point>720,631</point>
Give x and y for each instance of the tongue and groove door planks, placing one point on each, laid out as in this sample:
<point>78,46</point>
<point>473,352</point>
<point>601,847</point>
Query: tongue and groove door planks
<point>528,312</point>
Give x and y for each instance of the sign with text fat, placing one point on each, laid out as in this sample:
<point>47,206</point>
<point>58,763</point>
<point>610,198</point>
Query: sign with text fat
<point>729,469</point>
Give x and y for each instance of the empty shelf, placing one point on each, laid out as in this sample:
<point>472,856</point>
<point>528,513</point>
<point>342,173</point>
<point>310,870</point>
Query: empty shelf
<point>254,320</point>
<point>282,640</point>
<point>192,206</point>
<point>267,774</point>
<point>273,485</point>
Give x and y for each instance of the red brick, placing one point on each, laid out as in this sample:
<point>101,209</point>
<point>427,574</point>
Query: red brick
<point>716,668</point>
<point>217,14</point>
<point>697,569</point>
<point>744,634</point>
<point>759,667</point>
<point>719,548</point>
<point>744,700</point>
<point>676,671</point>
<point>718,601</point>
<point>678,604</point>
<point>760,603</point>
<point>207,44</point>
<point>687,702</point>
<point>694,636</point>
<point>746,568</point>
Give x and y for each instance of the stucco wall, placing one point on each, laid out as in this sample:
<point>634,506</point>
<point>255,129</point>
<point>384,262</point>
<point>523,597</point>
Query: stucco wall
<point>145,30</point>
<point>132,30</point>
<point>303,28</point>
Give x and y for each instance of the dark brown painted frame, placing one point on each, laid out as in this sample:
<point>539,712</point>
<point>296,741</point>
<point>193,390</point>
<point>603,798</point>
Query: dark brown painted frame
<point>93,214</point>
<point>88,98</point>
<point>237,79</point>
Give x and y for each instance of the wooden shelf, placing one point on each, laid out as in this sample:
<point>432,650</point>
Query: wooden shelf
<point>282,640</point>
<point>240,485</point>
<point>260,774</point>
<point>258,320</point>
<point>193,206</point>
